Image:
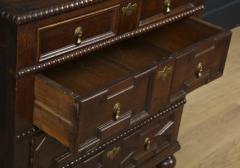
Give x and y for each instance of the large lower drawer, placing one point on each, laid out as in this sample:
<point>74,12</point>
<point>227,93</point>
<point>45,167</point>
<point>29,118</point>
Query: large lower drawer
<point>98,96</point>
<point>133,147</point>
<point>94,98</point>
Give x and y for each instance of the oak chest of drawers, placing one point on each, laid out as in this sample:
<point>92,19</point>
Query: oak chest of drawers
<point>101,83</point>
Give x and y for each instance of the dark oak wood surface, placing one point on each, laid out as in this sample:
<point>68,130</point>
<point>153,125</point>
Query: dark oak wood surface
<point>120,105</point>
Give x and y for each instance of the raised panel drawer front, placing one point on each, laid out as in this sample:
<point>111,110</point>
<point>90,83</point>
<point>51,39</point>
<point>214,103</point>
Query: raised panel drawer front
<point>154,138</point>
<point>157,136</point>
<point>143,144</point>
<point>67,35</point>
<point>157,9</point>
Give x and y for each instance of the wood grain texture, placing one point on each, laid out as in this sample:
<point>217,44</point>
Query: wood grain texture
<point>210,125</point>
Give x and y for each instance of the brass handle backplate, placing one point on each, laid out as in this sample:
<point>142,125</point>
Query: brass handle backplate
<point>167,6</point>
<point>116,111</point>
<point>113,153</point>
<point>129,9</point>
<point>78,35</point>
<point>165,72</point>
<point>147,144</point>
<point>199,70</point>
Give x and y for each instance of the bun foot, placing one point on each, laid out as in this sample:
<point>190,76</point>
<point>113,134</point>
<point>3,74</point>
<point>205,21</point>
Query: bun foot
<point>169,162</point>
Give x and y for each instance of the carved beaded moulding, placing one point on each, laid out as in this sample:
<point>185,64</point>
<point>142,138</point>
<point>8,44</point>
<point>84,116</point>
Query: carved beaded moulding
<point>43,13</point>
<point>29,132</point>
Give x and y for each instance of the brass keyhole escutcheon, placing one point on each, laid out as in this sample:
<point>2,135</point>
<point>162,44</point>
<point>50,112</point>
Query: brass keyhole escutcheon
<point>129,9</point>
<point>116,111</point>
<point>167,6</point>
<point>147,144</point>
<point>113,153</point>
<point>78,35</point>
<point>165,72</point>
<point>199,70</point>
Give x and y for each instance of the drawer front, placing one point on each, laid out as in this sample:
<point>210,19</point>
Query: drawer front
<point>134,148</point>
<point>109,112</point>
<point>201,64</point>
<point>151,140</point>
<point>141,94</point>
<point>151,10</point>
<point>143,144</point>
<point>76,32</point>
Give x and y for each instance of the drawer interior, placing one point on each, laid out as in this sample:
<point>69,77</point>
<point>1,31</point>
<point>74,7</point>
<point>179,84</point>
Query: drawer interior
<point>86,75</point>
<point>182,34</point>
<point>98,71</point>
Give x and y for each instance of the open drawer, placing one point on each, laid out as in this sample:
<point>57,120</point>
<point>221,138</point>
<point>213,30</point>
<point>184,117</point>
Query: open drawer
<point>200,50</point>
<point>99,96</point>
<point>89,100</point>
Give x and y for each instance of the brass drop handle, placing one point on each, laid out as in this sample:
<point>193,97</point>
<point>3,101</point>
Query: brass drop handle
<point>129,9</point>
<point>78,35</point>
<point>113,153</point>
<point>116,111</point>
<point>199,70</point>
<point>167,6</point>
<point>147,144</point>
<point>165,72</point>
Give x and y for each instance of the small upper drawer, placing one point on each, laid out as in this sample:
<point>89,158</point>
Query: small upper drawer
<point>155,9</point>
<point>80,31</point>
<point>205,60</point>
<point>200,50</point>
<point>73,104</point>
